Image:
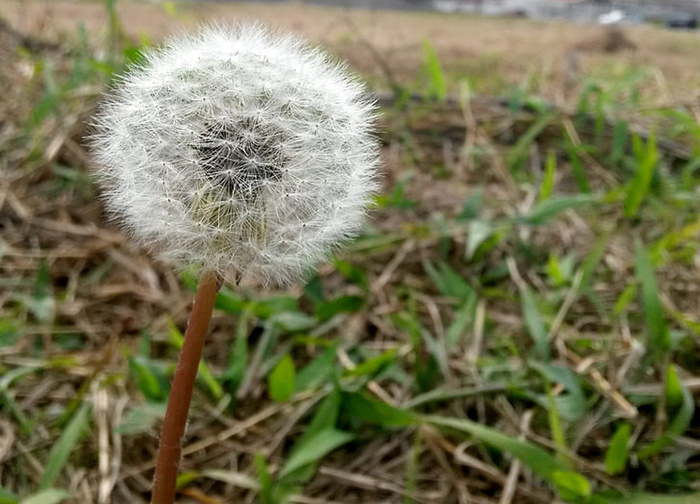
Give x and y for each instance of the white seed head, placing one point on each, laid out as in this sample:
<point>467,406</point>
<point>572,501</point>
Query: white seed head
<point>238,149</point>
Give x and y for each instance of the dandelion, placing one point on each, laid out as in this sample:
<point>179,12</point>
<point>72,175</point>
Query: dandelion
<point>241,151</point>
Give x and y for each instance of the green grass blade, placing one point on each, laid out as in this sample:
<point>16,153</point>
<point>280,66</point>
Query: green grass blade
<point>437,85</point>
<point>6,401</point>
<point>520,150</point>
<point>203,371</point>
<point>10,406</point>
<point>550,172</point>
<point>48,496</point>
<point>7,497</point>
<point>282,379</point>
<point>265,479</point>
<point>315,448</point>
<point>591,263</point>
<point>620,133</point>
<point>625,299</point>
<point>645,498</point>
<point>324,420</point>
<point>374,366</point>
<point>238,356</point>
<point>538,460</point>
<point>577,168</point>
<point>364,408</point>
<point>42,303</point>
<point>149,379</point>
<point>448,281</point>
<point>352,272</point>
<point>535,325</point>
<point>572,486</point>
<point>317,371</point>
<point>65,445</point>
<point>342,304</point>
<point>413,466</point>
<point>479,232</point>
<point>464,316</point>
<point>618,452</point>
<point>294,322</point>
<point>232,478</point>
<point>572,405</point>
<point>657,328</point>
<point>472,205</point>
<point>638,187</point>
<point>141,419</point>
<point>555,426</point>
<point>678,398</point>
<point>546,210</point>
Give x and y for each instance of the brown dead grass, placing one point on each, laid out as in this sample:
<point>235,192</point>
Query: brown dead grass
<point>109,293</point>
<point>491,51</point>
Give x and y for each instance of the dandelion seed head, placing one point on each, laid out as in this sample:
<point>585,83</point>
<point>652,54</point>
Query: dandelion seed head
<point>238,149</point>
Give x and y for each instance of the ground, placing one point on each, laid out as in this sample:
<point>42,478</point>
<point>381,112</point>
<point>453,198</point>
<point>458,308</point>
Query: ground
<point>530,268</point>
<point>552,52</point>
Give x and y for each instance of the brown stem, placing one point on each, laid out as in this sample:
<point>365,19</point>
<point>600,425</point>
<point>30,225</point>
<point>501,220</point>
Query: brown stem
<point>175,420</point>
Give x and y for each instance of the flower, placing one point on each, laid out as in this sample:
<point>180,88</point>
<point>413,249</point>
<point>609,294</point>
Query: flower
<point>238,149</point>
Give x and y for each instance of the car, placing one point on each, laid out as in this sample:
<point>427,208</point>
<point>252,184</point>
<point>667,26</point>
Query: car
<point>618,16</point>
<point>682,21</point>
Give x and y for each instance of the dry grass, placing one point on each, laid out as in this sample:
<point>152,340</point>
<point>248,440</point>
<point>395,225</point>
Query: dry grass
<point>85,308</point>
<point>492,52</point>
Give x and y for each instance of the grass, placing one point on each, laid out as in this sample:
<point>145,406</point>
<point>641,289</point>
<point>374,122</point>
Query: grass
<point>552,52</point>
<point>518,323</point>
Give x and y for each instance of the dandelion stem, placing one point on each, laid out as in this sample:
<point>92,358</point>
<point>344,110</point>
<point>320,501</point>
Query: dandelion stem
<point>170,447</point>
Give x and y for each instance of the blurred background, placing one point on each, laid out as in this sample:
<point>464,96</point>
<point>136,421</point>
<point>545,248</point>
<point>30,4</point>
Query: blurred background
<point>518,323</point>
